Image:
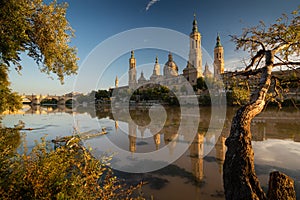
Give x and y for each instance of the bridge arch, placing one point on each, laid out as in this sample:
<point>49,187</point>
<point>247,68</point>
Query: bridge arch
<point>38,99</point>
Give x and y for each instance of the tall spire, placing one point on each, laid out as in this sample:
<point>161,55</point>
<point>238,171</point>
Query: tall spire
<point>132,54</point>
<point>195,53</point>
<point>156,70</point>
<point>206,66</point>
<point>218,44</point>
<point>116,82</point>
<point>170,56</point>
<point>195,27</point>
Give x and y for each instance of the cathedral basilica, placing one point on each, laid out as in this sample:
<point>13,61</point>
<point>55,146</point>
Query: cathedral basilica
<point>171,76</point>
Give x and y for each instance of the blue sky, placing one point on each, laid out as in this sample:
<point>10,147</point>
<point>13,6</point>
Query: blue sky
<point>96,21</point>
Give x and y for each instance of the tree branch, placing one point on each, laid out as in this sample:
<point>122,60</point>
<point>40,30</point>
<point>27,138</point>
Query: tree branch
<point>247,73</point>
<point>280,47</point>
<point>258,56</point>
<point>286,63</point>
<point>254,41</point>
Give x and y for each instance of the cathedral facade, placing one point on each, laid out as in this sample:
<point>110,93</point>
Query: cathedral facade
<point>191,72</point>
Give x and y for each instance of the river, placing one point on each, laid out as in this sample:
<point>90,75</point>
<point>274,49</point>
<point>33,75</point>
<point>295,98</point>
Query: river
<point>196,172</point>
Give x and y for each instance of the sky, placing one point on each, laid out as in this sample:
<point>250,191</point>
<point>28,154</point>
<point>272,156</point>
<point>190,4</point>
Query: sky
<point>107,30</point>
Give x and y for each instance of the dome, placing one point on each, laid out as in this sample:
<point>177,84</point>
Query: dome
<point>170,68</point>
<point>142,79</point>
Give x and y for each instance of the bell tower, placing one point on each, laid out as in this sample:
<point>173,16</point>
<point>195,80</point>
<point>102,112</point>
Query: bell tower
<point>195,54</point>
<point>132,71</point>
<point>218,58</point>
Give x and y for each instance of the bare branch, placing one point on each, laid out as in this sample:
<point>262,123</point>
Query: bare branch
<point>247,73</point>
<point>258,62</point>
<point>287,63</point>
<point>258,56</point>
<point>254,41</point>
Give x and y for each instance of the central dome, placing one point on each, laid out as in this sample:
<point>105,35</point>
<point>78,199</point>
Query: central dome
<point>170,68</point>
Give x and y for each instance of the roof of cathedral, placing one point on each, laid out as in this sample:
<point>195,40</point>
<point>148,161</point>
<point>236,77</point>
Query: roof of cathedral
<point>171,64</point>
<point>207,72</point>
<point>189,68</point>
<point>142,78</point>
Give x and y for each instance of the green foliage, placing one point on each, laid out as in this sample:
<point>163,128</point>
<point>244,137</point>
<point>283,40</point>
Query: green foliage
<point>48,101</point>
<point>90,97</point>
<point>201,85</point>
<point>8,100</point>
<point>284,33</point>
<point>102,94</point>
<point>238,96</point>
<point>42,31</point>
<point>68,172</point>
<point>157,93</point>
<point>204,100</point>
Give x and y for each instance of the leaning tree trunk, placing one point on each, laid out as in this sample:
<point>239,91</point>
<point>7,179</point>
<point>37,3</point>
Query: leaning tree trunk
<point>240,180</point>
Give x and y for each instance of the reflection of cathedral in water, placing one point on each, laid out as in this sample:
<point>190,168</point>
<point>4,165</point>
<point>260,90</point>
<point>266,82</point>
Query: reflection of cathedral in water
<point>196,154</point>
<point>171,139</point>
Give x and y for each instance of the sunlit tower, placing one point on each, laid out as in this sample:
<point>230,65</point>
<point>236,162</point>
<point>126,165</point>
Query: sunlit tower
<point>218,58</point>
<point>132,71</point>
<point>195,54</point>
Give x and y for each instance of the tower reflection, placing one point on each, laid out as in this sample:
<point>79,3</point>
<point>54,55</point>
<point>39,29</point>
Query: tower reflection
<point>196,155</point>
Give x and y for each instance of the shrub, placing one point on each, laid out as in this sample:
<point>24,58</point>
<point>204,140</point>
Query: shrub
<point>67,172</point>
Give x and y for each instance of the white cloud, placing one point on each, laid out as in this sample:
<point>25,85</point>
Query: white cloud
<point>150,4</point>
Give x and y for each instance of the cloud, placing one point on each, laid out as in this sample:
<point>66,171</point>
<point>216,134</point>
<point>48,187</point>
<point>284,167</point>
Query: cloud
<point>150,4</point>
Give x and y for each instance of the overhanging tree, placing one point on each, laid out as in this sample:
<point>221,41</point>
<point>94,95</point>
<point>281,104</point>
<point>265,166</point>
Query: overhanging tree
<point>39,30</point>
<point>272,46</point>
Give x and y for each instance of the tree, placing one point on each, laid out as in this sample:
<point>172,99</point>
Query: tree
<point>200,84</point>
<point>42,32</point>
<point>8,100</point>
<point>67,172</point>
<point>276,45</point>
<point>102,94</point>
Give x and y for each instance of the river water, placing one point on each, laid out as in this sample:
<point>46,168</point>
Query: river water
<point>195,173</point>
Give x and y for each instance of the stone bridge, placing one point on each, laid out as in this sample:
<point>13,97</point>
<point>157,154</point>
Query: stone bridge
<point>37,99</point>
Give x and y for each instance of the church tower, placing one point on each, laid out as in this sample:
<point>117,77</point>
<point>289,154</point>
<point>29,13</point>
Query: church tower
<point>195,54</point>
<point>132,71</point>
<point>218,58</point>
